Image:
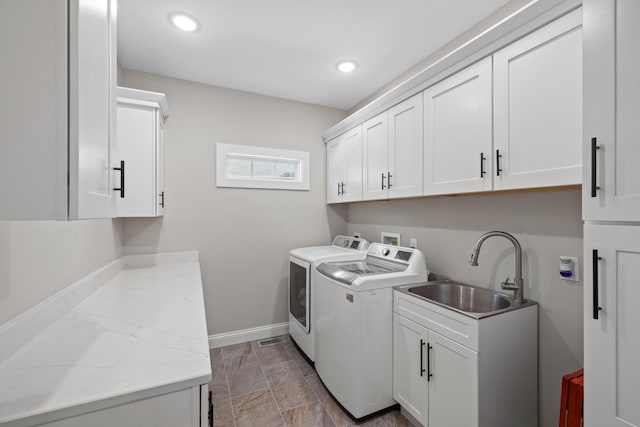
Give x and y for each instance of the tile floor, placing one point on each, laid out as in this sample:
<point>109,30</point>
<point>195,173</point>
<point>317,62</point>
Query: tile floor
<point>275,386</point>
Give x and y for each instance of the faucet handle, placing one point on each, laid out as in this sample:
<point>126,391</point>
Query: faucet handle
<point>508,286</point>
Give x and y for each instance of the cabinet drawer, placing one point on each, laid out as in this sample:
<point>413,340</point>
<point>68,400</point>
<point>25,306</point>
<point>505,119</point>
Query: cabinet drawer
<point>448,323</point>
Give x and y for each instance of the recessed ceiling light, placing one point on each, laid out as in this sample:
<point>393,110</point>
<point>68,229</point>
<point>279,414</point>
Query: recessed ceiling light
<point>347,66</point>
<point>184,22</point>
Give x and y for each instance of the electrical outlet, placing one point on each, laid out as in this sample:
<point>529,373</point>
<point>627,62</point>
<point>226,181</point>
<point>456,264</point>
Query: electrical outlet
<point>413,243</point>
<point>357,234</point>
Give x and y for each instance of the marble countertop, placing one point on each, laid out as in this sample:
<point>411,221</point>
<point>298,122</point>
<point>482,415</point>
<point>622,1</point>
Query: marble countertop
<point>143,333</point>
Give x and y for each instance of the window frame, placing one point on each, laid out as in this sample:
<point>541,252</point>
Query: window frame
<point>226,151</point>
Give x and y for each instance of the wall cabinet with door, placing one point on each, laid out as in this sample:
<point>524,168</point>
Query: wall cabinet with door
<point>140,151</point>
<point>392,152</point>
<point>58,117</point>
<point>537,84</point>
<point>450,369</point>
<point>458,132</point>
<point>611,193</point>
<point>511,121</point>
<point>344,167</point>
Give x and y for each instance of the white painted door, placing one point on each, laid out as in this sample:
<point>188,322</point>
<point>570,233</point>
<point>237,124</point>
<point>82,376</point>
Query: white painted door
<point>160,196</point>
<point>335,169</point>
<point>136,146</point>
<point>405,162</point>
<point>611,91</point>
<point>458,132</point>
<point>453,386</point>
<point>537,83</point>
<point>375,138</point>
<point>92,101</point>
<point>410,388</point>
<point>352,163</point>
<point>612,341</point>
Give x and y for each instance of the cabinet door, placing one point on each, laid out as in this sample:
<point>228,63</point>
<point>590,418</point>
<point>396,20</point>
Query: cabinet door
<point>410,388</point>
<point>453,387</point>
<point>136,146</point>
<point>405,148</point>
<point>352,161</point>
<point>374,158</point>
<point>458,132</point>
<point>611,91</point>
<point>538,107</point>
<point>160,203</point>
<point>335,169</point>
<point>612,341</point>
<point>92,77</point>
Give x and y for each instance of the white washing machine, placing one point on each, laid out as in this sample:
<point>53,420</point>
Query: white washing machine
<point>302,264</point>
<point>354,324</point>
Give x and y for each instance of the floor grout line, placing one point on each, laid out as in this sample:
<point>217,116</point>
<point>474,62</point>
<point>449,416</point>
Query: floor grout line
<point>273,396</point>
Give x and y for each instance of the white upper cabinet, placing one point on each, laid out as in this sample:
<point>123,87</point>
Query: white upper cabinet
<point>458,132</point>
<point>392,152</point>
<point>611,189</point>
<point>140,148</point>
<point>537,83</point>
<point>405,148</point>
<point>375,140</point>
<point>344,167</point>
<point>58,115</point>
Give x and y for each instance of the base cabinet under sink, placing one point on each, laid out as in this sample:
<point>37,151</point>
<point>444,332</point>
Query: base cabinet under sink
<point>453,370</point>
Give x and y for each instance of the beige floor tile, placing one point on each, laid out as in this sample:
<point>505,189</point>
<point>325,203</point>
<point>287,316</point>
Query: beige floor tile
<point>302,363</point>
<point>289,386</point>
<point>244,374</point>
<point>310,415</point>
<point>256,409</point>
<point>339,417</point>
<point>395,419</point>
<point>318,388</point>
<point>236,350</point>
<point>218,374</point>
<point>271,355</point>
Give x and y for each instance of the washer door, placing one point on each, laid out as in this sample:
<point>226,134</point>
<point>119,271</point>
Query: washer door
<point>299,291</point>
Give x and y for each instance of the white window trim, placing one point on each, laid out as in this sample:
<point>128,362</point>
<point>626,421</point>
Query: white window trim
<point>302,181</point>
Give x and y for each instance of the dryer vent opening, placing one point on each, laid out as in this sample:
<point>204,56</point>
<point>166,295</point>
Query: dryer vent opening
<point>270,341</point>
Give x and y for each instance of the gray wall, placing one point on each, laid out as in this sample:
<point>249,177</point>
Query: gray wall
<point>39,258</point>
<point>547,224</point>
<point>243,235</point>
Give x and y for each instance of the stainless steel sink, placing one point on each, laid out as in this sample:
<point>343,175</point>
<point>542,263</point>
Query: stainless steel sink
<point>470,300</point>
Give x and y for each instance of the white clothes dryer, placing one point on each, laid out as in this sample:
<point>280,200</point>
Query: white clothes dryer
<point>354,324</point>
<point>302,264</point>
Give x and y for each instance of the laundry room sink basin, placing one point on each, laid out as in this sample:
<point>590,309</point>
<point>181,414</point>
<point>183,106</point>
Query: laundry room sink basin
<point>470,300</point>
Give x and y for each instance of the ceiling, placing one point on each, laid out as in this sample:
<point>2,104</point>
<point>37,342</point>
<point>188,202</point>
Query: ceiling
<point>289,48</point>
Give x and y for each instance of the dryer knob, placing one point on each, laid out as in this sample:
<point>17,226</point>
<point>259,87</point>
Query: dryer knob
<point>385,251</point>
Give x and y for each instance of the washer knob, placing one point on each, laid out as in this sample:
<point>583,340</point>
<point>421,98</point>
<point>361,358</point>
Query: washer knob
<point>385,251</point>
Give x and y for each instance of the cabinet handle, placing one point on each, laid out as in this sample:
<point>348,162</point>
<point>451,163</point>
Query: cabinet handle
<point>596,304</point>
<point>498,168</point>
<point>422,370</point>
<point>342,188</point>
<point>389,179</point>
<point>429,374</point>
<point>162,200</point>
<point>594,148</point>
<point>121,169</point>
<point>383,181</point>
<point>482,159</point>
<point>210,411</point>
<point>338,189</point>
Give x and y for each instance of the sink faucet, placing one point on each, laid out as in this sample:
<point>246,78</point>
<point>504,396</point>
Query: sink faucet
<point>518,283</point>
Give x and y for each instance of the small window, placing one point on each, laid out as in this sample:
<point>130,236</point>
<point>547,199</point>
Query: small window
<point>260,167</point>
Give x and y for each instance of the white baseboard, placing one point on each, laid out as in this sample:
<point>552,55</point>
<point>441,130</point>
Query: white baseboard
<point>245,335</point>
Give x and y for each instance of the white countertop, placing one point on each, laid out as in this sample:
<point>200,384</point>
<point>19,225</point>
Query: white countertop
<point>141,334</point>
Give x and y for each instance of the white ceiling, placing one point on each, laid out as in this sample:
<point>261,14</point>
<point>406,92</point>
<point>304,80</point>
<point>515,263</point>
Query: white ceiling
<point>289,48</point>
